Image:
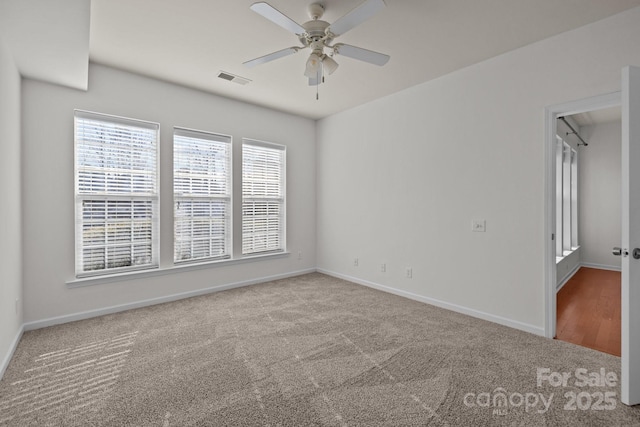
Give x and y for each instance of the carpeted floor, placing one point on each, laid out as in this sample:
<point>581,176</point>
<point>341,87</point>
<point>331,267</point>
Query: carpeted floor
<point>306,351</point>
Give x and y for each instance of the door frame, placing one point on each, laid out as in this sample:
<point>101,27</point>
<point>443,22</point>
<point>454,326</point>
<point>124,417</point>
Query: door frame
<point>552,113</point>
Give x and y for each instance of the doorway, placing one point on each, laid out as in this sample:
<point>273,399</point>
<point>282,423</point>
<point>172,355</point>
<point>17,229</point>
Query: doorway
<point>629,99</point>
<point>588,226</point>
<point>551,134</point>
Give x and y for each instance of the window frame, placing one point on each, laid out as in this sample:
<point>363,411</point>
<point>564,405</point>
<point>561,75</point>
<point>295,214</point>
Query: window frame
<point>160,260</point>
<point>567,194</point>
<point>228,198</point>
<point>559,193</point>
<point>282,200</point>
<point>106,196</point>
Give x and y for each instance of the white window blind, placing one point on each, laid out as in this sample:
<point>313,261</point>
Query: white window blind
<point>263,197</point>
<point>566,198</point>
<point>116,192</point>
<point>202,195</point>
<point>559,195</point>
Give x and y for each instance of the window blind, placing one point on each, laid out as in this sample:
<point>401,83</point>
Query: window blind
<point>116,193</point>
<point>263,197</point>
<point>566,198</point>
<point>202,195</point>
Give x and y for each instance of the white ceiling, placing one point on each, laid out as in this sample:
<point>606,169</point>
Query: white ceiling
<point>49,39</point>
<point>597,117</point>
<point>189,41</point>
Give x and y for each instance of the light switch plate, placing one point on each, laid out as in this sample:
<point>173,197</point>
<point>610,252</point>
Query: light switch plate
<point>479,225</point>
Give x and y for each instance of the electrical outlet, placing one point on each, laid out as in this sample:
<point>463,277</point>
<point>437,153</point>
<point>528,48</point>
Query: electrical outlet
<point>409,272</point>
<point>383,267</point>
<point>355,262</point>
<point>299,256</point>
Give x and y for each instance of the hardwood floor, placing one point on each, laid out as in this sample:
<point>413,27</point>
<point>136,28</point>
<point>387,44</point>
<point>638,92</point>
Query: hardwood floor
<point>589,310</point>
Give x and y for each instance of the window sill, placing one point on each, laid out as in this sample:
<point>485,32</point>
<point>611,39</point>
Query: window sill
<point>162,271</point>
<point>566,254</point>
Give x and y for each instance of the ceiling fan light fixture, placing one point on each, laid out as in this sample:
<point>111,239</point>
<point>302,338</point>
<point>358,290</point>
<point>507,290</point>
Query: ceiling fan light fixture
<point>329,64</point>
<point>313,65</point>
<point>318,35</point>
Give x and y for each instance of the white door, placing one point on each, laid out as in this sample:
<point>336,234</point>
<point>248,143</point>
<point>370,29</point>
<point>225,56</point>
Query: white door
<point>630,371</point>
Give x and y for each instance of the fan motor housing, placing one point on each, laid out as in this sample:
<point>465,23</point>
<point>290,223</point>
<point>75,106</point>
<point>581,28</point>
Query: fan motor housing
<point>315,28</point>
<point>315,31</point>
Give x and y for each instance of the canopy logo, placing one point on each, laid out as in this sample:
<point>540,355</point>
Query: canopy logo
<point>500,401</point>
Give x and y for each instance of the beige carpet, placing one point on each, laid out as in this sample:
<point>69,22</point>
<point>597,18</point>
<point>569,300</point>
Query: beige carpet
<point>306,351</point>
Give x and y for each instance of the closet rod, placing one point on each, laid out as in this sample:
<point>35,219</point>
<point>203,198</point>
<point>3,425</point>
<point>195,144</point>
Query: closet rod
<point>575,132</point>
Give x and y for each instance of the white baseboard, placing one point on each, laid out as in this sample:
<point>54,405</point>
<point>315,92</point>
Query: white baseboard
<point>601,266</point>
<point>152,301</point>
<point>442,304</point>
<point>12,349</point>
<point>568,277</point>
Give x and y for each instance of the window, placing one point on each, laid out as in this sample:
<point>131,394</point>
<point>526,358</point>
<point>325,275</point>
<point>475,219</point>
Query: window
<point>263,197</point>
<point>566,198</point>
<point>116,194</point>
<point>202,195</point>
<point>117,208</point>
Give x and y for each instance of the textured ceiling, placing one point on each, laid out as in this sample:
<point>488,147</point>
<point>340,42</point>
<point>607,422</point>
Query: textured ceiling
<point>189,42</point>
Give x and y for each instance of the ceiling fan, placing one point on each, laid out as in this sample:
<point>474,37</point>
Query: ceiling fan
<point>318,35</point>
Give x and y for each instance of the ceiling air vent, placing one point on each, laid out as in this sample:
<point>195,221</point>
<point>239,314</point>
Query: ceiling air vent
<point>233,78</point>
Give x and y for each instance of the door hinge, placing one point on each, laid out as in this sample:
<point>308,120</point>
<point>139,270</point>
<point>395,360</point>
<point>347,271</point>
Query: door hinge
<point>553,236</point>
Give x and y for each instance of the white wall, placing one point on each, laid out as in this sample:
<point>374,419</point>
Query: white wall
<point>400,179</point>
<point>600,192</point>
<point>48,186</point>
<point>10,206</point>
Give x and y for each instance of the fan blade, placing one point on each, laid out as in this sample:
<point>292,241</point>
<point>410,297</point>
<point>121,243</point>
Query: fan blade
<point>272,56</point>
<point>361,54</point>
<point>356,17</point>
<point>277,17</point>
